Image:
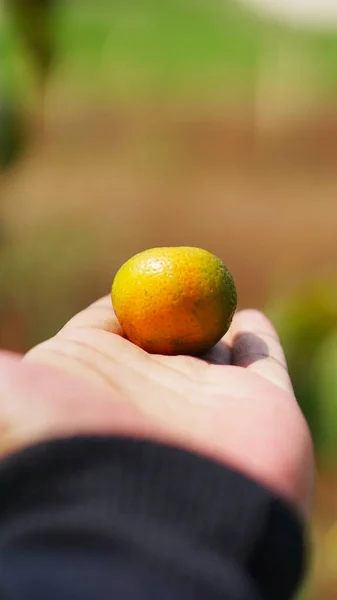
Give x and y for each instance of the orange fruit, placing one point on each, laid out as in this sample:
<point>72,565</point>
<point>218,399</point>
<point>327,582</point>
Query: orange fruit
<point>174,300</point>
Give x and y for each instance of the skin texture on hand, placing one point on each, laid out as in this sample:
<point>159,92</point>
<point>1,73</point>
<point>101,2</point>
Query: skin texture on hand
<point>235,406</point>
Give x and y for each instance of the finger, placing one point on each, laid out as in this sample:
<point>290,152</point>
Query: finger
<point>84,347</point>
<point>98,315</point>
<point>99,318</point>
<point>220,354</point>
<point>8,363</point>
<point>256,346</point>
<point>8,359</point>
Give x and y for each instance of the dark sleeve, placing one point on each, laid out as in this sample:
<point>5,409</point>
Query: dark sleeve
<point>99,518</point>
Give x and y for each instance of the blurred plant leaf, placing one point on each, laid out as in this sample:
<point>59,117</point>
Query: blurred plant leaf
<point>324,384</point>
<point>12,133</point>
<point>304,320</point>
<point>34,22</point>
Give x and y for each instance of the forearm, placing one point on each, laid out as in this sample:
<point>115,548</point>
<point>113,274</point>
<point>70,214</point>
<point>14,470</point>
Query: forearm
<point>110,517</point>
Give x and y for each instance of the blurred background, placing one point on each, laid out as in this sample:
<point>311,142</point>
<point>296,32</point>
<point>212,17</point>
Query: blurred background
<point>126,124</point>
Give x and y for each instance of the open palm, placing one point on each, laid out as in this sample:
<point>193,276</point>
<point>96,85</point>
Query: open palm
<point>236,405</point>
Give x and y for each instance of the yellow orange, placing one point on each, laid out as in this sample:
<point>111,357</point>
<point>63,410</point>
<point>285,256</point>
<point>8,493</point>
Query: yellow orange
<point>174,300</point>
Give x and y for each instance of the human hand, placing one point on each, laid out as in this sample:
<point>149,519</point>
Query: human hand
<point>237,406</point>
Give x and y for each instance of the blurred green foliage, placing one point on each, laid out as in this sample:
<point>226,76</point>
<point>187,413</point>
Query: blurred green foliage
<point>12,132</point>
<point>181,43</point>
<point>33,21</point>
<point>324,381</point>
<point>172,46</point>
<point>307,324</point>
